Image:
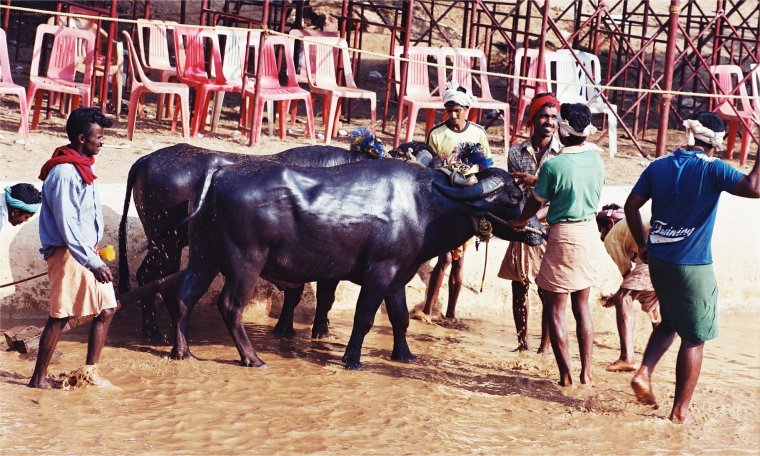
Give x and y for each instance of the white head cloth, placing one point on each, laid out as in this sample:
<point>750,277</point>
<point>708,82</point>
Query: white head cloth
<point>454,94</point>
<point>566,130</point>
<point>695,130</point>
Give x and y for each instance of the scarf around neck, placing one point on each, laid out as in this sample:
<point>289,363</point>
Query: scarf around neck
<point>66,154</point>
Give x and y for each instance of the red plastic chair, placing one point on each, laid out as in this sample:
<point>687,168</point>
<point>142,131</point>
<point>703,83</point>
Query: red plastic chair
<point>8,87</point>
<point>189,47</point>
<point>418,94</point>
<point>319,56</point>
<point>141,85</point>
<point>68,44</point>
<point>728,77</point>
<point>463,58</point>
<point>268,87</point>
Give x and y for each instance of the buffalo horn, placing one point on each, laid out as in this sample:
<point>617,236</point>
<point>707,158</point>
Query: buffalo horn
<point>477,191</point>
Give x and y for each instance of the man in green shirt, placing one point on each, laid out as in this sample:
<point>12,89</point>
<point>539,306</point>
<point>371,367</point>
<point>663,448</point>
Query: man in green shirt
<point>572,184</point>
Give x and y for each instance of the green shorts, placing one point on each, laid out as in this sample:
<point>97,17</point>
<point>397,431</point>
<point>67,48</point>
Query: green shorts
<point>688,297</point>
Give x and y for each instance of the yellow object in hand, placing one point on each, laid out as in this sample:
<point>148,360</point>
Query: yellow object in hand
<point>107,253</point>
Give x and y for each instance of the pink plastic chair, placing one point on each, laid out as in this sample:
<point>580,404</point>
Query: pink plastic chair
<point>463,58</point>
<point>68,43</point>
<point>152,37</point>
<point>319,56</point>
<point>529,87</point>
<point>301,76</point>
<point>8,87</point>
<point>268,87</point>
<point>728,77</point>
<point>418,94</point>
<point>141,85</point>
<point>191,70</point>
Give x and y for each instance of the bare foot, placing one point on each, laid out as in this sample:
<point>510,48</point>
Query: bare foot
<point>642,387</point>
<point>685,419</point>
<point>422,316</point>
<point>543,351</point>
<point>622,366</point>
<point>586,381</point>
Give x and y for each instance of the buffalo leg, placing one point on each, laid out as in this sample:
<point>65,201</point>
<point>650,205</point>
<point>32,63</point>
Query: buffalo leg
<point>398,314</point>
<point>366,308</point>
<point>159,262</point>
<point>195,281</point>
<point>284,326</point>
<point>236,293</point>
<point>325,299</point>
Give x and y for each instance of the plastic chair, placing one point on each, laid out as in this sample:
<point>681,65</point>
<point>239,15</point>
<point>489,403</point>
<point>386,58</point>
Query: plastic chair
<point>152,37</point>
<point>529,88</point>
<point>565,77</point>
<point>191,70</point>
<point>418,94</point>
<point>463,58</point>
<point>319,56</point>
<point>115,70</point>
<point>8,87</point>
<point>141,85</point>
<point>61,70</point>
<point>268,87</point>
<point>298,53</point>
<point>728,77</point>
<point>595,101</point>
<point>233,61</point>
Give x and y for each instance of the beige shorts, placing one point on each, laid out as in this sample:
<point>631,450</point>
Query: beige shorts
<point>74,291</point>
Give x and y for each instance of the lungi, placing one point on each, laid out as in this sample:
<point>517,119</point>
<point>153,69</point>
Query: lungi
<point>572,252</point>
<point>521,262</point>
<point>74,291</point>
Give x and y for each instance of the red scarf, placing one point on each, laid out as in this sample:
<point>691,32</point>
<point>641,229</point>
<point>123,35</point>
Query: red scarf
<point>66,154</point>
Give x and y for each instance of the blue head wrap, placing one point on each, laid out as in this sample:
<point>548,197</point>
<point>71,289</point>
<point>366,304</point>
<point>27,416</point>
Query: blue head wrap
<point>20,205</point>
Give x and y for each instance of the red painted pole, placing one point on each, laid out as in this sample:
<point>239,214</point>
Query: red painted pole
<point>540,69</point>
<point>667,76</point>
<point>409,14</point>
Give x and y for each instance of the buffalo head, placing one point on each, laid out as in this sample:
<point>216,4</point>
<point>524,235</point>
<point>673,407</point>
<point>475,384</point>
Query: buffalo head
<point>497,198</point>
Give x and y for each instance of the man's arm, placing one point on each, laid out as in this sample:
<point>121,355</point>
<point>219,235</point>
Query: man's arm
<point>749,185</point>
<point>529,210</point>
<point>633,217</point>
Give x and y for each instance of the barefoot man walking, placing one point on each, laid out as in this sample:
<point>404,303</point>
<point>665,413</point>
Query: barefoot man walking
<point>684,187</point>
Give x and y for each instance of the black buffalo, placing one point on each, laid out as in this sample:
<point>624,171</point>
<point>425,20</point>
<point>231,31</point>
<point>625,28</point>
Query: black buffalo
<point>162,184</point>
<point>372,222</point>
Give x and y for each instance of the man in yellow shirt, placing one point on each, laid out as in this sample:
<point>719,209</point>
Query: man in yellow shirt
<point>446,138</point>
<point>636,286</point>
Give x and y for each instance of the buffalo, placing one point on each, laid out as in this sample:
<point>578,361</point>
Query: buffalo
<point>371,222</point>
<point>162,184</point>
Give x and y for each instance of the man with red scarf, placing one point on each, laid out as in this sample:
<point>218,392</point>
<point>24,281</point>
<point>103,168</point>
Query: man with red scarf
<point>71,225</point>
<point>521,261</point>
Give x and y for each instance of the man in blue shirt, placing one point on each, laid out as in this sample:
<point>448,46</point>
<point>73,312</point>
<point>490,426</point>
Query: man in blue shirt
<point>684,187</point>
<point>71,225</point>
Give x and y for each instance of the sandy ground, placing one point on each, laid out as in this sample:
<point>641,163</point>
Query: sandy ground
<point>467,394</point>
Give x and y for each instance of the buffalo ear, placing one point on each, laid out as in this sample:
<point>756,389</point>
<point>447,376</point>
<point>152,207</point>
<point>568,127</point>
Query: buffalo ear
<point>480,190</point>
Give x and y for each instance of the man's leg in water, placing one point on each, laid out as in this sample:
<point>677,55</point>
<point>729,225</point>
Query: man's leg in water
<point>545,342</point>
<point>48,341</point>
<point>661,339</point>
<point>456,276</point>
<point>554,308</point>
<point>584,329</point>
<point>625,324</point>
<point>688,367</point>
<point>435,282</point>
<point>520,311</point>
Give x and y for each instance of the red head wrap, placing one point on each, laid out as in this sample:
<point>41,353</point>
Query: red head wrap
<point>539,102</point>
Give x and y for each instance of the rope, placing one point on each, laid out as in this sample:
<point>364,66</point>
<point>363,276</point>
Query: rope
<point>23,280</point>
<point>383,55</point>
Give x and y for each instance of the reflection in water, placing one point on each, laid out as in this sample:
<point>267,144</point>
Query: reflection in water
<point>468,393</point>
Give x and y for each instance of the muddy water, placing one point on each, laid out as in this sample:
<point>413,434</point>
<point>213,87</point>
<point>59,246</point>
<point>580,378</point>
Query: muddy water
<point>467,394</point>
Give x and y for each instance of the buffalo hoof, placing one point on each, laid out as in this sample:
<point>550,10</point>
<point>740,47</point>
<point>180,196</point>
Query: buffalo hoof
<point>254,363</point>
<point>283,331</point>
<point>407,357</point>
<point>181,354</point>
<point>354,365</point>
<point>321,330</point>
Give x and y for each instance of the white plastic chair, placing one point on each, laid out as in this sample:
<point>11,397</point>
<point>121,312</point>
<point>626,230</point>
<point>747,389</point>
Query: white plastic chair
<point>595,101</point>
